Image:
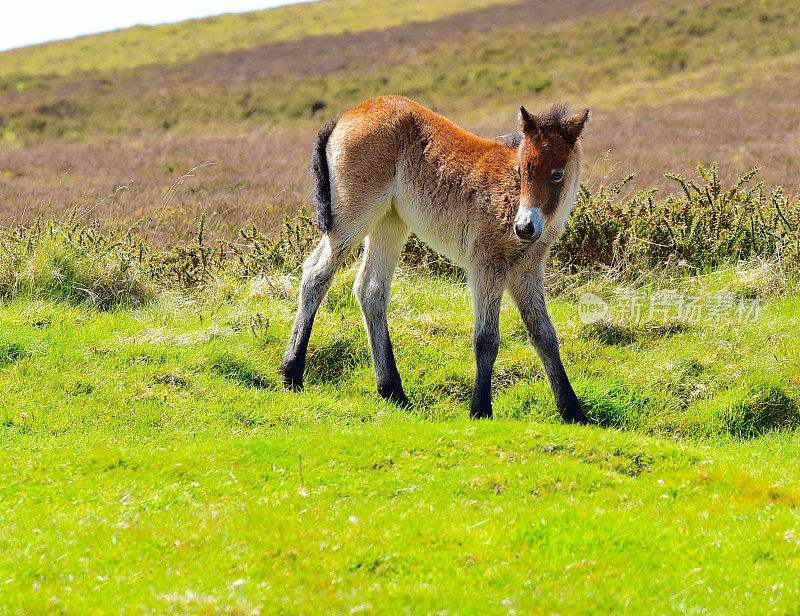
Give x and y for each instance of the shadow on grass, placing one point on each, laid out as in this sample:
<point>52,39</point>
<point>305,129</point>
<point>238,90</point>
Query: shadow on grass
<point>761,407</point>
<point>229,366</point>
<point>14,348</point>
<point>613,333</point>
<point>451,387</point>
<point>629,462</point>
<point>747,411</point>
<point>613,405</point>
<point>509,374</point>
<point>12,351</point>
<point>335,358</point>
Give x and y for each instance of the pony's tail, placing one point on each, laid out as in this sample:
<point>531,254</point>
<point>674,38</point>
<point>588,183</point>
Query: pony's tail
<point>321,193</point>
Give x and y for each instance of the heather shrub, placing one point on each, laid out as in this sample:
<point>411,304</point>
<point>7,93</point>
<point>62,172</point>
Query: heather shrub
<point>701,229</point>
<point>704,227</point>
<point>74,262</point>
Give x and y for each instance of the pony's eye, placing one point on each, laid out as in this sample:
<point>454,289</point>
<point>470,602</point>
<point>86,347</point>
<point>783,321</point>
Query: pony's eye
<point>557,175</point>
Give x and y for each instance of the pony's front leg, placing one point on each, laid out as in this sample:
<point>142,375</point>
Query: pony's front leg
<point>528,293</point>
<point>486,342</point>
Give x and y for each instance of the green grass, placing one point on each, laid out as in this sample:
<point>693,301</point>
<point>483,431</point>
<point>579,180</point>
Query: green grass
<point>152,463</point>
<point>662,372</point>
<point>496,517</point>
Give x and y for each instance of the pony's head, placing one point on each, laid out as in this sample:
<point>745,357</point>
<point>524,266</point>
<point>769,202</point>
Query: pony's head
<point>548,161</point>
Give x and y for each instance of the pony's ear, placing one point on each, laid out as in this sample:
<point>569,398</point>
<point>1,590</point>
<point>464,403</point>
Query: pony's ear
<point>528,124</point>
<point>573,126</point>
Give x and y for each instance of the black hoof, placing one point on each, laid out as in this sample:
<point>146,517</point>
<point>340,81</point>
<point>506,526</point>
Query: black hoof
<point>395,395</point>
<point>292,377</point>
<point>400,399</point>
<point>575,416</point>
<point>480,413</point>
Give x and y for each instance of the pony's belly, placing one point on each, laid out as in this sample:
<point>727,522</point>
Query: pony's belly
<point>433,225</point>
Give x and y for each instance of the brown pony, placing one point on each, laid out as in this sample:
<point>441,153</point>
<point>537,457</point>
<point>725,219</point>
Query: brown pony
<point>390,166</point>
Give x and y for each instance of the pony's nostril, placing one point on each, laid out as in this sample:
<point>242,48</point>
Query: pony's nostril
<point>527,231</point>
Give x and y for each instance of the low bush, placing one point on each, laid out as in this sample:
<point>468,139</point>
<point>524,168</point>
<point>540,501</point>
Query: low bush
<point>74,262</point>
<point>702,229</point>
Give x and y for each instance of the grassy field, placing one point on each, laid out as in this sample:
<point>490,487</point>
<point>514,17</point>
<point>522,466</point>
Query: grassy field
<point>152,463</point>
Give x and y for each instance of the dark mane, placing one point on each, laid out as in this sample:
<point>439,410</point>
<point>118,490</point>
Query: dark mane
<point>511,140</point>
<point>552,118</point>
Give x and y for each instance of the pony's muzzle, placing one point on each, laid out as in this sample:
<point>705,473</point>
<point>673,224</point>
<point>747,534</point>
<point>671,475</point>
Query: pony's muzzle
<point>528,225</point>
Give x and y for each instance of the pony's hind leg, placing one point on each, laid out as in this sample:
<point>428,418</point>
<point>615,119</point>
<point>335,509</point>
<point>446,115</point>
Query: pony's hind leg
<point>318,271</point>
<point>372,289</point>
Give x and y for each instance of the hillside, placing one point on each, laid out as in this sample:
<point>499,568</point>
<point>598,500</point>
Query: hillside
<point>671,84</point>
<point>188,40</point>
